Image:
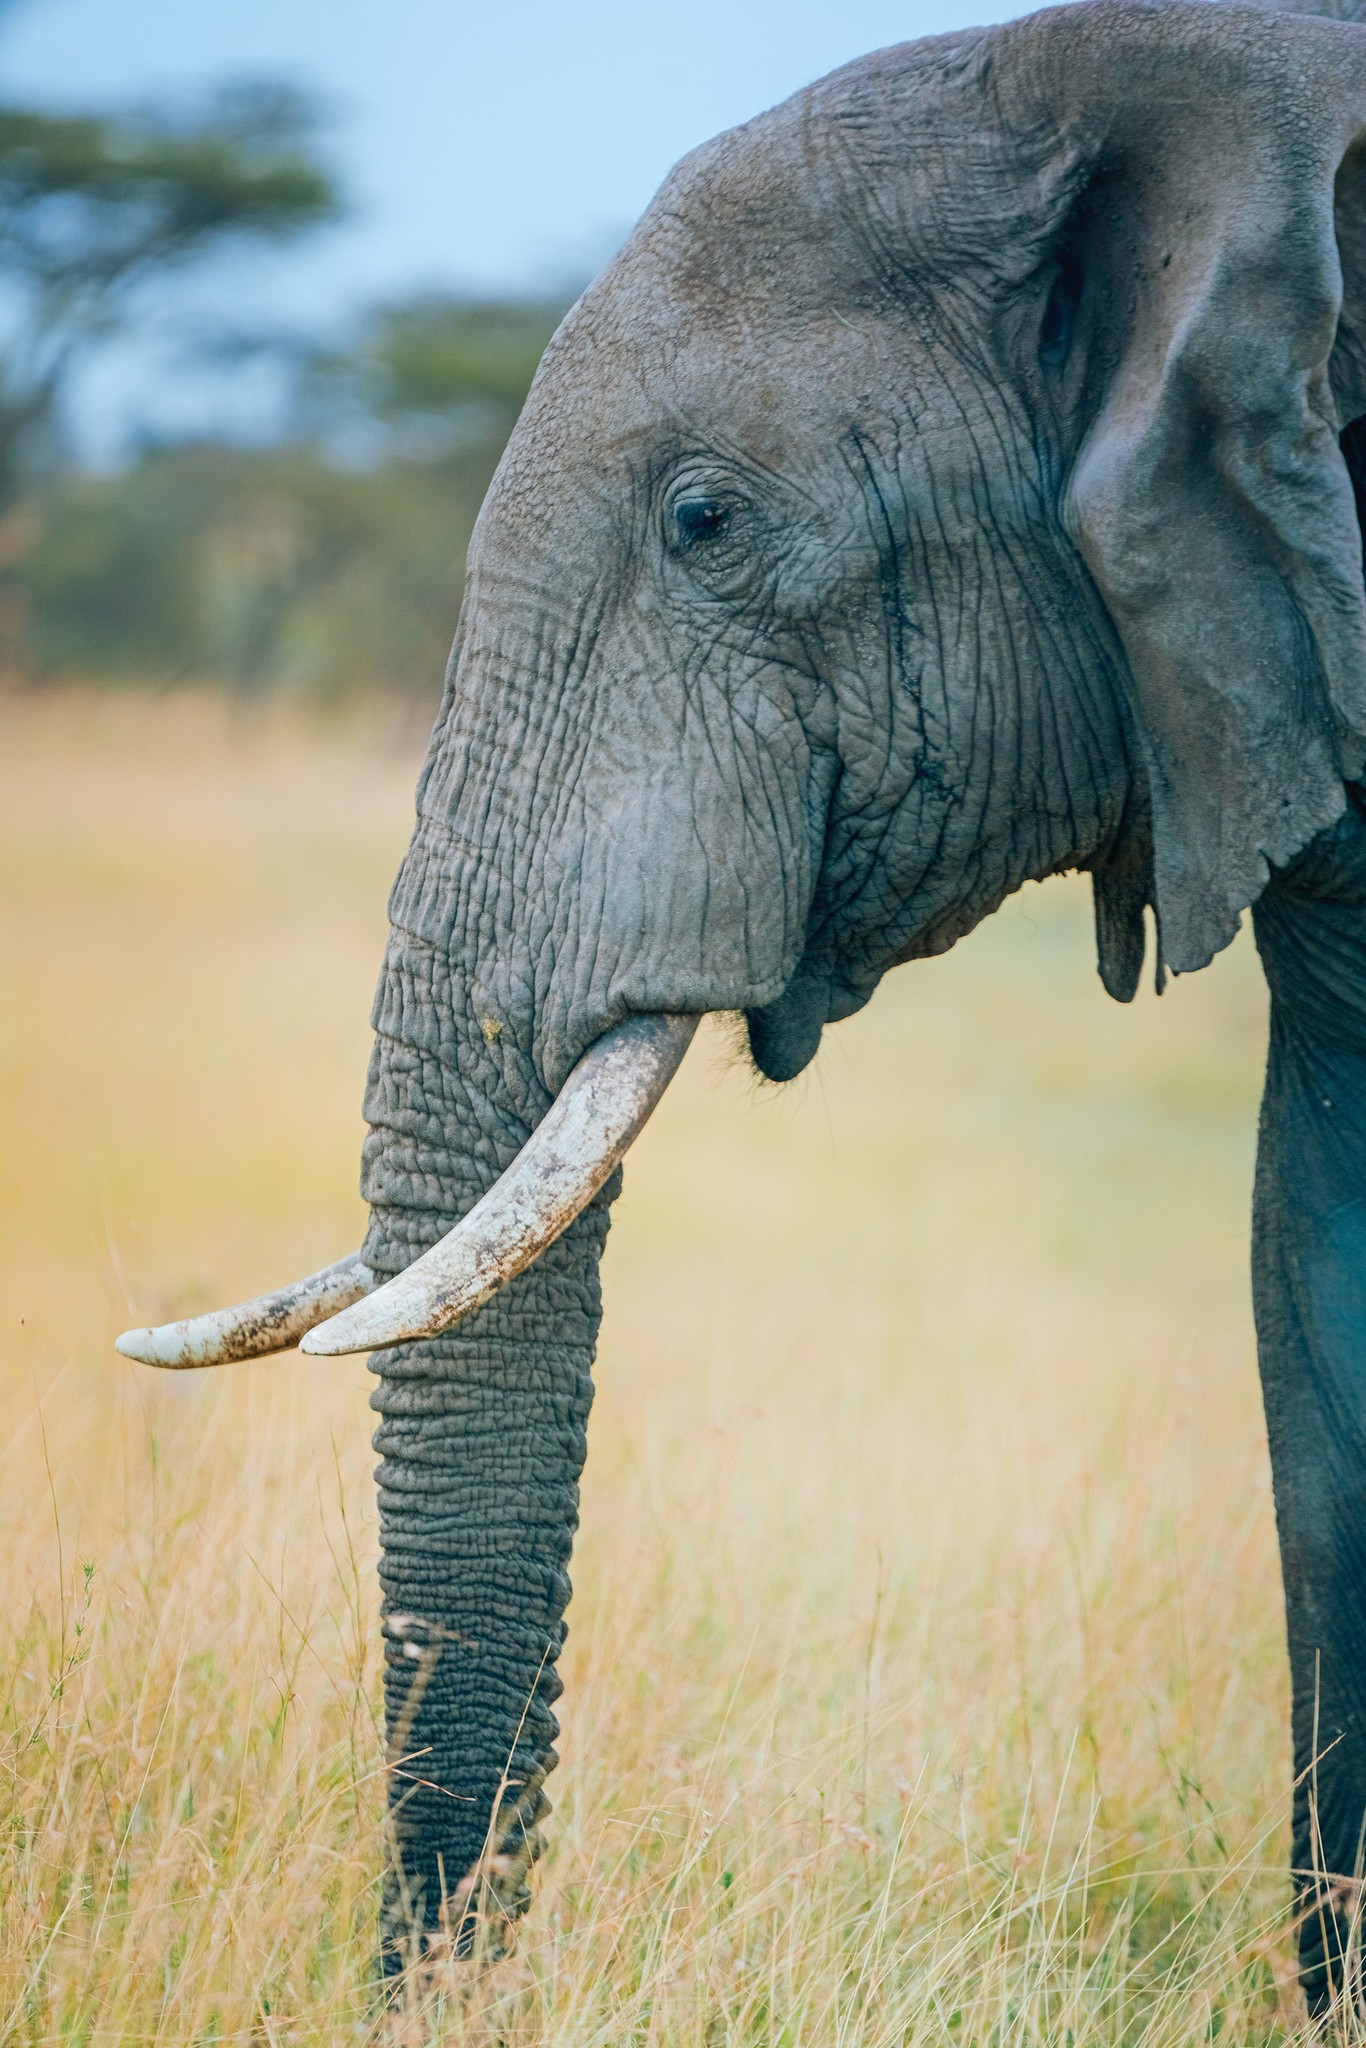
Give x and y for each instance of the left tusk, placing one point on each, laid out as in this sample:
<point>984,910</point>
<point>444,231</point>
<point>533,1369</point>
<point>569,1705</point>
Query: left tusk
<point>272,1322</point>
<point>594,1118</point>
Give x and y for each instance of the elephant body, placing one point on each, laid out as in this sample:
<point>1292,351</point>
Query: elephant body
<point>944,487</point>
<point>941,489</point>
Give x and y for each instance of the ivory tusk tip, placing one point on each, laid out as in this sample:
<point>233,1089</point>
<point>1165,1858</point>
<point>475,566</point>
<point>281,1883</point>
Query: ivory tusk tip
<point>252,1329</point>
<point>332,1339</point>
<point>165,1346</point>
<point>139,1344</point>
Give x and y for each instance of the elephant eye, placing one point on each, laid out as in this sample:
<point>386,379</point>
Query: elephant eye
<point>709,530</point>
<point>696,518</point>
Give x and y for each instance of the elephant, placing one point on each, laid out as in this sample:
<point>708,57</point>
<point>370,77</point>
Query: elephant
<point>955,479</point>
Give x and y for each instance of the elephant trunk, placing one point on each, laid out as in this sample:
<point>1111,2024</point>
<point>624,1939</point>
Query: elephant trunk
<point>481,1442</point>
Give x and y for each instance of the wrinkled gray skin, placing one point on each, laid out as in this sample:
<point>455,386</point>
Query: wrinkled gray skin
<point>941,489</point>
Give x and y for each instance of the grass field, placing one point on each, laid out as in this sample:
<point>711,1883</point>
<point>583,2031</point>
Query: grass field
<point>925,1677</point>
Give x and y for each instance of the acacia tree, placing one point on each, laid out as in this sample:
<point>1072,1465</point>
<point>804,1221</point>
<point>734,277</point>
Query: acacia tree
<point>94,207</point>
<point>431,376</point>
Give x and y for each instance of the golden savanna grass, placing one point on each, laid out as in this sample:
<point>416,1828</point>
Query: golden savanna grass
<point>925,1677</point>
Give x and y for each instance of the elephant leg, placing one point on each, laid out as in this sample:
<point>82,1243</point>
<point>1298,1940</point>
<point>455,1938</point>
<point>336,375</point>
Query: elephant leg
<point>1309,1288</point>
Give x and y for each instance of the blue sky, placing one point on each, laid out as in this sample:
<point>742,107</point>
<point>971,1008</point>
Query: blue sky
<point>486,145</point>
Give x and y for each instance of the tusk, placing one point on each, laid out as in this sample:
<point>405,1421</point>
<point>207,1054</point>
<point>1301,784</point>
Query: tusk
<point>564,1162</point>
<point>272,1322</point>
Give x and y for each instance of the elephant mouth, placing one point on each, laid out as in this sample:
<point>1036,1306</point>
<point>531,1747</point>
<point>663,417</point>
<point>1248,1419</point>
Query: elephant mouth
<point>597,1115</point>
<point>785,1035</point>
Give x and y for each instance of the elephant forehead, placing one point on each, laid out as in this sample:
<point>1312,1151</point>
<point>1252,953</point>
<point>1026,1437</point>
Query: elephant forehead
<point>616,408</point>
<point>619,408</point>
<point>790,211</point>
<point>759,307</point>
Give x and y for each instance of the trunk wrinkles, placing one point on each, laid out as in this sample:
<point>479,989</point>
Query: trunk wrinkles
<point>481,1440</point>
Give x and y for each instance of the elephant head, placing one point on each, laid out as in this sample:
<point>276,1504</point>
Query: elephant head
<point>941,489</point>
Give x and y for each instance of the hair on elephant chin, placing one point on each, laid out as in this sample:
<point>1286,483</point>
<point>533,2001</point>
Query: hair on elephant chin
<point>734,1039</point>
<point>731,1036</point>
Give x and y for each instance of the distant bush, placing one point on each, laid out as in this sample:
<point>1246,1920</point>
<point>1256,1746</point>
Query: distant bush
<point>261,570</point>
<point>431,374</point>
<point>327,566</point>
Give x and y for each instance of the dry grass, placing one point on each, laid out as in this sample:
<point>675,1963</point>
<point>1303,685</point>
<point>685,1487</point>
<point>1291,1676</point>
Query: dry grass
<point>925,1681</point>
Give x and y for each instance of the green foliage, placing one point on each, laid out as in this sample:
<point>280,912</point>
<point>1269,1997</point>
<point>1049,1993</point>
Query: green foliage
<point>86,199</point>
<point>92,207</point>
<point>282,568</point>
<point>259,570</point>
<point>438,369</point>
<point>436,353</point>
<point>109,571</point>
<point>327,564</point>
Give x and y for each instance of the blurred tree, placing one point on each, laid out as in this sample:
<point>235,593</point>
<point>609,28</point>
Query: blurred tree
<point>430,375</point>
<point>328,566</point>
<point>264,569</point>
<point>92,207</point>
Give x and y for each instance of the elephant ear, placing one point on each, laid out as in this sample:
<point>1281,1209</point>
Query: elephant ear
<point>1215,225</point>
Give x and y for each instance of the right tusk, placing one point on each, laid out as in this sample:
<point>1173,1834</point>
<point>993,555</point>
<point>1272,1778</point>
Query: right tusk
<point>272,1322</point>
<point>564,1162</point>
